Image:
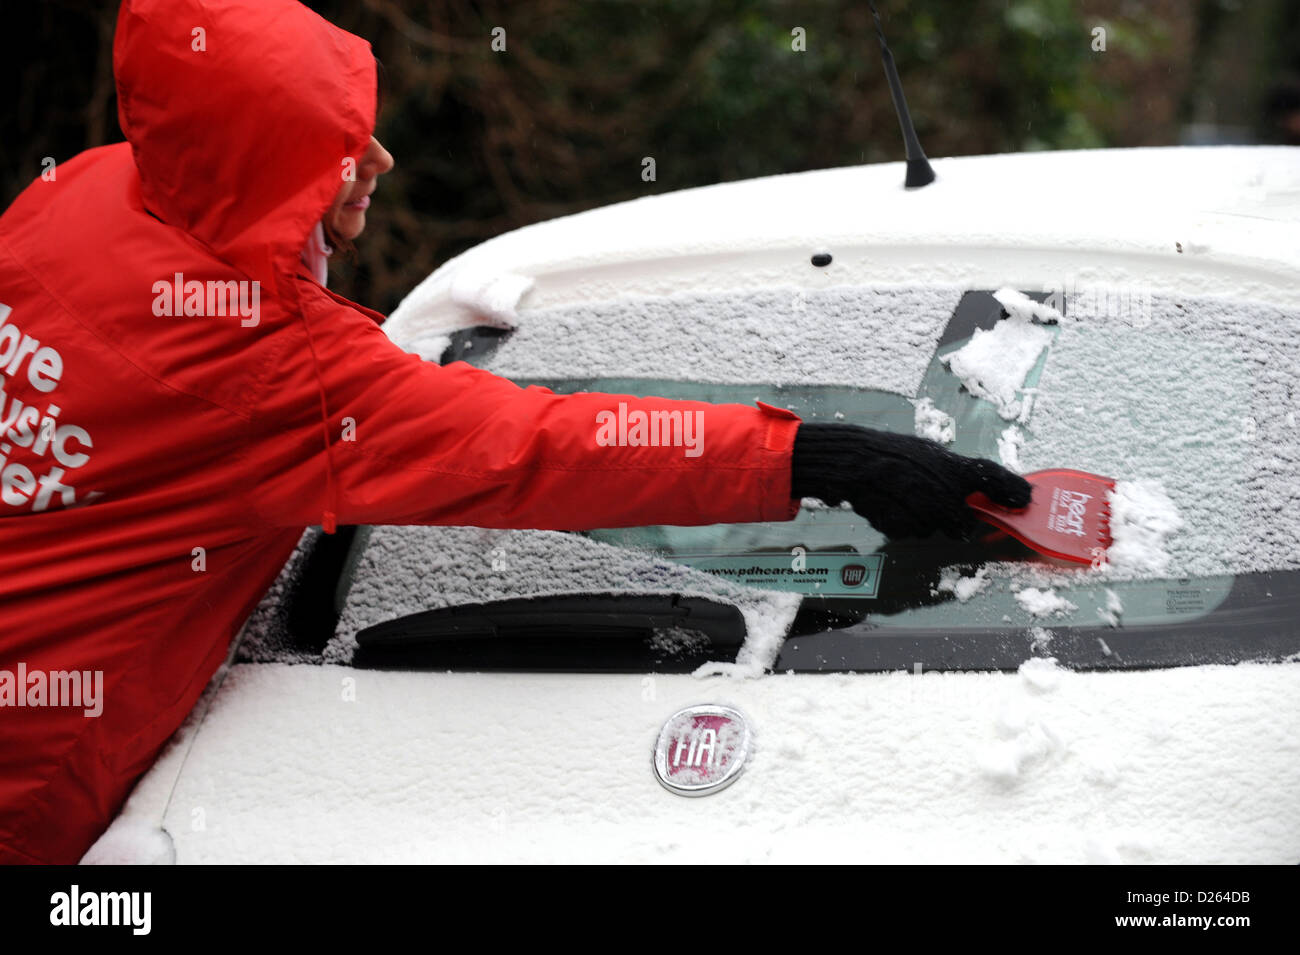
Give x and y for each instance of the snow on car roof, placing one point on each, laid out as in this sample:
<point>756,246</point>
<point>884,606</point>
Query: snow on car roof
<point>1189,220</point>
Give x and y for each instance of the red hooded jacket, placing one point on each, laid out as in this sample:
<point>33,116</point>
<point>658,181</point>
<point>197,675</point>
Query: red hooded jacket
<point>157,469</point>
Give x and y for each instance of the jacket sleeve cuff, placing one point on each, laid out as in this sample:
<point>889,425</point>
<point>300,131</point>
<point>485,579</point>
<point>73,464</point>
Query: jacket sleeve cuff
<point>778,447</point>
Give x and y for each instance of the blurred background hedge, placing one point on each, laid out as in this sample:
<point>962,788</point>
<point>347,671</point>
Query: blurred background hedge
<point>712,90</point>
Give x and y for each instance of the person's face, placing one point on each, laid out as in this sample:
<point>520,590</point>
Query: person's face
<point>346,217</point>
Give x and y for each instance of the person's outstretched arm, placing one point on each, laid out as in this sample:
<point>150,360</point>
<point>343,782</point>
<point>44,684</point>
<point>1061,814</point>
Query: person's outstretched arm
<point>417,443</point>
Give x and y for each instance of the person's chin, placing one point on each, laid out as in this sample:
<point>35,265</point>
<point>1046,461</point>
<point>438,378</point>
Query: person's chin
<point>350,224</point>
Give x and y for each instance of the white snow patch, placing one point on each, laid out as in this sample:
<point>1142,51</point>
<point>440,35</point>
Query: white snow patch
<point>131,841</point>
<point>1041,674</point>
<point>951,581</point>
<point>1102,851</point>
<point>1009,445</point>
<point>1026,404</point>
<point>1024,741</point>
<point>765,630</point>
<point>1112,611</point>
<point>1141,518</point>
<point>1041,603</point>
<point>429,345</point>
<point>1040,637</point>
<point>934,423</point>
<point>1111,848</point>
<point>1099,766</point>
<point>994,364</point>
<point>420,326</point>
<point>1019,305</point>
<point>491,298</point>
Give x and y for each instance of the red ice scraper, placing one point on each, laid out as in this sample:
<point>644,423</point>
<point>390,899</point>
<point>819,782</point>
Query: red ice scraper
<point>1068,517</point>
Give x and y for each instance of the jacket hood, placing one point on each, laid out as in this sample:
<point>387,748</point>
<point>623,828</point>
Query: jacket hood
<point>241,117</point>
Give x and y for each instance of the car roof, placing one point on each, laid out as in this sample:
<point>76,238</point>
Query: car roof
<point>1193,220</point>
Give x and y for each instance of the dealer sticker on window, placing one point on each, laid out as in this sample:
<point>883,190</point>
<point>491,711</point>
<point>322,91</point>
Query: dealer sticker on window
<point>828,574</point>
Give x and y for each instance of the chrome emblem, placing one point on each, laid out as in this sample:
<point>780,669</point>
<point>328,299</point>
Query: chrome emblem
<point>701,749</point>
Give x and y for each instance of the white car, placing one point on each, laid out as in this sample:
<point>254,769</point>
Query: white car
<point>427,694</point>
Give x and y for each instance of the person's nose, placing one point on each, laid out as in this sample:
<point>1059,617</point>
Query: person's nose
<point>376,161</point>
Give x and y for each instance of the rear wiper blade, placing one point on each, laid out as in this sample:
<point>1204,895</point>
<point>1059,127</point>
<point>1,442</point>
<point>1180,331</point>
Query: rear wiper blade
<point>560,615</point>
<point>563,632</point>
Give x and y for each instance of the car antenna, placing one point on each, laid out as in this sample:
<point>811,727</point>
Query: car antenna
<point>919,171</point>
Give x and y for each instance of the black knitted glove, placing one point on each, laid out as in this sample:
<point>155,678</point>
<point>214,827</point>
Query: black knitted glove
<point>904,485</point>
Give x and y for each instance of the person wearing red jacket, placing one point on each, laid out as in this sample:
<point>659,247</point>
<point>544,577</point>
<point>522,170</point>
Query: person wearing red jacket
<point>180,396</point>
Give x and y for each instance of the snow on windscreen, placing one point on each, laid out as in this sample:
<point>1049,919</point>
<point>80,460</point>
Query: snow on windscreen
<point>1142,518</point>
<point>867,338</point>
<point>1189,404</point>
<point>934,423</point>
<point>995,362</point>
